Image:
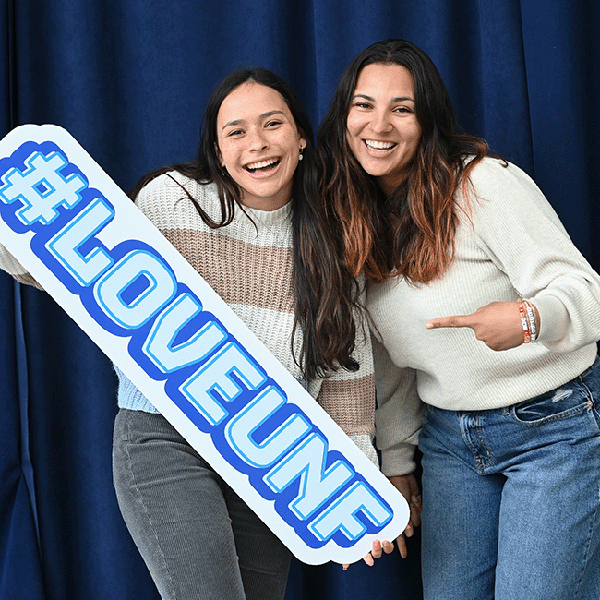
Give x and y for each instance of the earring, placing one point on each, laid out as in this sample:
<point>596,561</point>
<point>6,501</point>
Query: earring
<point>301,157</point>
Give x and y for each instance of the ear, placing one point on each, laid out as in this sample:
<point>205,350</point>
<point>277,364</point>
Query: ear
<point>301,138</point>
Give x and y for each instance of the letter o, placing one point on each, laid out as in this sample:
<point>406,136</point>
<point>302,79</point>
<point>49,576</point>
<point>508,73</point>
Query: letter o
<point>111,287</point>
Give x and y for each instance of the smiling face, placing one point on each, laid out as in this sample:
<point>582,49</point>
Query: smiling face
<point>382,128</point>
<point>259,144</point>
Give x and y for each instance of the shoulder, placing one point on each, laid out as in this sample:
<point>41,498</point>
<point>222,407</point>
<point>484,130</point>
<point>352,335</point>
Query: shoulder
<point>174,185</point>
<point>496,185</point>
<point>502,195</point>
<point>170,192</point>
<point>492,177</point>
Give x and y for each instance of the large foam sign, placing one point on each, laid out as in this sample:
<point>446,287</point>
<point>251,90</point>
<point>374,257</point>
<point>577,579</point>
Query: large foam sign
<point>141,302</point>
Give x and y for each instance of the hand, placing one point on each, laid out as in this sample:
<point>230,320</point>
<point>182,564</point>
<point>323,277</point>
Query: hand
<point>498,325</point>
<point>407,486</point>
<point>378,549</point>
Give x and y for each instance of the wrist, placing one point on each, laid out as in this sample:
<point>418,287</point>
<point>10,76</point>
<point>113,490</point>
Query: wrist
<point>530,321</point>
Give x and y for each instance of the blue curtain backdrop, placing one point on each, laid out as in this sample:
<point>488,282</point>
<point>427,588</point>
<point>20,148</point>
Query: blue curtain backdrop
<point>130,79</point>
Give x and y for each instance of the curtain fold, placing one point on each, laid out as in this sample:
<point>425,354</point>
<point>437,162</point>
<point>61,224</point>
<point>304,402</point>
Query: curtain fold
<point>130,80</point>
<point>20,564</point>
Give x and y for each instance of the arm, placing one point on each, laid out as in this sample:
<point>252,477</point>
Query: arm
<point>520,232</point>
<point>399,413</point>
<point>13,267</point>
<point>498,325</point>
<point>398,425</point>
<point>349,397</point>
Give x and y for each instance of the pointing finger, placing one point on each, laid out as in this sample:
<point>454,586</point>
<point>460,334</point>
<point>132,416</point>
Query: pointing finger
<point>456,321</point>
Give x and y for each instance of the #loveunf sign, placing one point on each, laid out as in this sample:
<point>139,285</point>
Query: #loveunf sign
<point>153,315</point>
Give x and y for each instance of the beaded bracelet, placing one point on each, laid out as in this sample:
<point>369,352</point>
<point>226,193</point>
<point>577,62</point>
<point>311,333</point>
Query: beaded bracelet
<point>524,322</point>
<point>531,317</point>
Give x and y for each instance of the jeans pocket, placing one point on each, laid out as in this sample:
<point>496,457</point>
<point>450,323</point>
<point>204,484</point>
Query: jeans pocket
<point>552,406</point>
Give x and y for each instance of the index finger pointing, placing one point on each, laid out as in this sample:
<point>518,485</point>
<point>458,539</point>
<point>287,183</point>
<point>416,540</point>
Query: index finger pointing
<point>456,321</point>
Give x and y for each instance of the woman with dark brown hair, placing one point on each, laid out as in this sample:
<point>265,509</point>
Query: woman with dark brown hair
<point>485,317</point>
<point>247,215</point>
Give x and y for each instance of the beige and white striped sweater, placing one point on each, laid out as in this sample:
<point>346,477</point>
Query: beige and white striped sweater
<point>249,264</point>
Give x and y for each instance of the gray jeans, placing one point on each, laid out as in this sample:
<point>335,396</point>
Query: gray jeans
<point>198,538</point>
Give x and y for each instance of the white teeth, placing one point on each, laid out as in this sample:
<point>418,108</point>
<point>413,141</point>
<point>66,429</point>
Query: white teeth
<point>262,164</point>
<point>375,145</point>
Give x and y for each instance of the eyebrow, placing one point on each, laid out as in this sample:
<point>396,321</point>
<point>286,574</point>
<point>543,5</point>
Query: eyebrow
<point>398,99</point>
<point>263,116</point>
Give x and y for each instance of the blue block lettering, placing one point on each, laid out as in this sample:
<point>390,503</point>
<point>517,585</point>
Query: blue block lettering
<point>65,245</point>
<point>219,379</point>
<point>160,345</point>
<point>178,348</point>
<point>342,514</point>
<point>136,267</point>
<point>239,430</point>
<point>317,485</point>
<point>42,188</point>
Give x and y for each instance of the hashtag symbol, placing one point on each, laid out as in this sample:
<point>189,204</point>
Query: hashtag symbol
<point>41,188</point>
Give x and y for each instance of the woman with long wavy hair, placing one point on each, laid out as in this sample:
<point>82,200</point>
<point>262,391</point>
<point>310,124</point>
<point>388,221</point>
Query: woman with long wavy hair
<point>485,319</point>
<point>247,215</point>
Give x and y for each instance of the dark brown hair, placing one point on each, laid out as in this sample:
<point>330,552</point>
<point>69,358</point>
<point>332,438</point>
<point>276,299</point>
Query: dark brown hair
<point>411,232</point>
<point>324,290</point>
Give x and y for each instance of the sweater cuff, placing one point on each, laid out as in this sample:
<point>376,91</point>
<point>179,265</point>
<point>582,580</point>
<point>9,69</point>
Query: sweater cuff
<point>398,460</point>
<point>13,267</point>
<point>10,264</point>
<point>365,444</point>
<point>554,318</point>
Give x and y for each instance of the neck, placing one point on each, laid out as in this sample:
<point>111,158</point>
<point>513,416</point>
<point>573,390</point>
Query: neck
<point>389,183</point>
<point>265,203</point>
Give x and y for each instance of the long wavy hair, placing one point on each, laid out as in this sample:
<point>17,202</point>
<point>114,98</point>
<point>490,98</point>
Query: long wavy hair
<point>325,292</point>
<point>411,232</point>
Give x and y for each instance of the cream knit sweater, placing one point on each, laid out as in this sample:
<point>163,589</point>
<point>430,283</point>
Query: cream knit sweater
<point>510,244</point>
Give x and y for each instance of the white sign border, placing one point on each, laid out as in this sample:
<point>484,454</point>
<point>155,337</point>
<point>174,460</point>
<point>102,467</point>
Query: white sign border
<point>115,347</point>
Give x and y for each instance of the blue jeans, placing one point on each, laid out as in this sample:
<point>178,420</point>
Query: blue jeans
<point>511,498</point>
<point>198,538</point>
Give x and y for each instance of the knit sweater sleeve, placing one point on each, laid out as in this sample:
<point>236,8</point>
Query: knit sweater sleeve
<point>349,397</point>
<point>521,233</point>
<point>13,267</point>
<point>399,413</point>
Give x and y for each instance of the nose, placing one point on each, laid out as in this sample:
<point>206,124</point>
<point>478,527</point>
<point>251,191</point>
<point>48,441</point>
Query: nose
<point>381,122</point>
<point>257,140</point>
